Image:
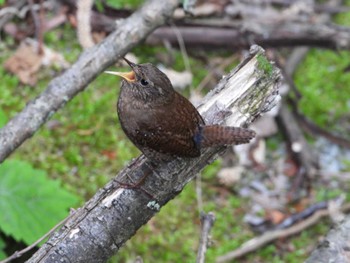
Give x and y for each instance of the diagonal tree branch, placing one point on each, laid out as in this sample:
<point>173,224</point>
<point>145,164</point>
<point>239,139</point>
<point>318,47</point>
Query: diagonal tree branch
<point>91,62</point>
<point>97,231</point>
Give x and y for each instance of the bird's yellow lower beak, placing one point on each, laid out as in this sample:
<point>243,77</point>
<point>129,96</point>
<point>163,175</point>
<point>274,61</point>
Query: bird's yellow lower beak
<point>128,76</point>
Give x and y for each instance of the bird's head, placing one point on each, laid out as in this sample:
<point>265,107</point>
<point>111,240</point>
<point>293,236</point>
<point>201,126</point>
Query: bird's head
<point>146,82</point>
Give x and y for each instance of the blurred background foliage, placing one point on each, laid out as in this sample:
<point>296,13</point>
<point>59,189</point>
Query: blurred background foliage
<point>82,147</point>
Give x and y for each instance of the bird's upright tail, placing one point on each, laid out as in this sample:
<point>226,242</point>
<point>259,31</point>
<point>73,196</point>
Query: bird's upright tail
<point>215,135</point>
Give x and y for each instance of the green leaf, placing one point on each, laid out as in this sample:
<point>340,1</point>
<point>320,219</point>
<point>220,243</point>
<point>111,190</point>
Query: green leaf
<point>30,203</point>
<point>3,118</point>
<point>2,247</point>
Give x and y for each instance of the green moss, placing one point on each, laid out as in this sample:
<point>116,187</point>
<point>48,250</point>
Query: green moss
<point>264,65</point>
<point>344,17</point>
<point>124,3</point>
<point>323,194</point>
<point>324,87</point>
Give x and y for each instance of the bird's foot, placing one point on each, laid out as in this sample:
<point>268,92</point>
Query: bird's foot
<point>147,170</point>
<point>137,186</point>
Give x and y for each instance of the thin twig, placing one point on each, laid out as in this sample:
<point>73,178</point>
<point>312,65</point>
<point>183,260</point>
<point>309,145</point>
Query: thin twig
<point>207,222</point>
<point>313,128</point>
<point>182,46</point>
<point>199,192</point>
<point>40,36</point>
<point>18,254</point>
<point>37,25</point>
<point>225,63</point>
<point>84,24</point>
<point>268,237</point>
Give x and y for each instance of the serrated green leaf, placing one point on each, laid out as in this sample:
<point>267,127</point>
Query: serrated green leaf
<point>2,247</point>
<point>30,203</point>
<point>3,118</point>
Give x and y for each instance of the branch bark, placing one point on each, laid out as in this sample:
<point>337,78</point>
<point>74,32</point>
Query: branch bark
<point>92,62</point>
<point>207,222</point>
<point>97,231</point>
<point>289,34</point>
<point>335,247</point>
<point>298,144</point>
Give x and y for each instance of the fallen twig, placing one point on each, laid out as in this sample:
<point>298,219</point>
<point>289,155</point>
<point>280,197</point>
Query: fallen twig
<point>84,24</point>
<point>299,147</point>
<point>38,24</point>
<point>207,221</point>
<point>268,237</point>
<point>18,254</point>
<point>313,129</point>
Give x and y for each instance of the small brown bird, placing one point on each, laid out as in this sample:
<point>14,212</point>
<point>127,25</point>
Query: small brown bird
<point>161,122</point>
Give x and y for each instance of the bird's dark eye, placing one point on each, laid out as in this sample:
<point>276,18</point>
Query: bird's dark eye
<point>144,82</point>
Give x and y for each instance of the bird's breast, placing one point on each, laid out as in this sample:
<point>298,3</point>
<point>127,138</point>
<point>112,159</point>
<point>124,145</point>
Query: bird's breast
<point>169,128</point>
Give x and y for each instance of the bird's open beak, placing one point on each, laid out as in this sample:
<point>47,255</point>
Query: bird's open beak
<point>128,76</point>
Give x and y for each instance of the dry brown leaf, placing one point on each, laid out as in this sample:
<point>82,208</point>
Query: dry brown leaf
<point>111,155</point>
<point>276,216</point>
<point>26,61</point>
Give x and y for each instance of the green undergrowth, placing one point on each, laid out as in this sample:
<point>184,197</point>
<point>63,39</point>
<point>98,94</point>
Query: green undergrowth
<point>173,235</point>
<point>323,79</point>
<point>82,147</point>
<point>325,87</point>
<point>117,4</point>
<point>30,202</point>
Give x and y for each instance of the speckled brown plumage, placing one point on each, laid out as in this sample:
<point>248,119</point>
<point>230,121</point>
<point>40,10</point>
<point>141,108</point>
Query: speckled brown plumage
<point>161,122</point>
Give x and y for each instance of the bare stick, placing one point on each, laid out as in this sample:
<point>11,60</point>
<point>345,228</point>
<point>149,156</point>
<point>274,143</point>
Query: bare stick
<point>268,237</point>
<point>299,146</point>
<point>37,19</point>
<point>18,254</point>
<point>207,222</point>
<point>84,25</point>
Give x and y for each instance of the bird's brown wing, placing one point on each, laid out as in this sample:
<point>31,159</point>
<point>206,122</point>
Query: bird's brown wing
<point>175,131</point>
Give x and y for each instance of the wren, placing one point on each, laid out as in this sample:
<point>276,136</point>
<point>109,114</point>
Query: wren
<point>162,123</point>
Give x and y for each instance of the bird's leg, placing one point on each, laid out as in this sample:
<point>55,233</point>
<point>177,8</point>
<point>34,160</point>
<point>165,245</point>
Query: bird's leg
<point>147,169</point>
